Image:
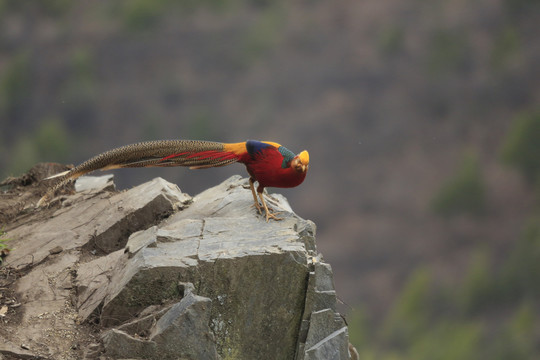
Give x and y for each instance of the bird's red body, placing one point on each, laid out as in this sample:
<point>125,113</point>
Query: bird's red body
<point>268,163</point>
<point>266,168</point>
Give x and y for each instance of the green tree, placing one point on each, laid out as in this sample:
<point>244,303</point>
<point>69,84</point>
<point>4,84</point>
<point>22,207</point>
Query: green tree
<point>49,142</point>
<point>464,192</point>
<point>521,149</point>
<point>517,340</point>
<point>520,273</point>
<point>52,140</point>
<point>358,329</point>
<point>449,51</point>
<point>410,316</point>
<point>478,288</point>
<point>506,47</point>
<point>448,340</point>
<point>15,86</point>
<point>391,40</point>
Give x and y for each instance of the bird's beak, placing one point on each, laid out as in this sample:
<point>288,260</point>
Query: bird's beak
<point>300,163</point>
<point>303,159</point>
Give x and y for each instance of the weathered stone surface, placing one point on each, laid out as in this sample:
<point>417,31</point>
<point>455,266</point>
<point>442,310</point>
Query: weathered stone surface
<point>179,331</point>
<point>92,280</point>
<point>323,323</point>
<point>102,222</point>
<point>95,183</point>
<point>49,252</point>
<point>10,351</point>
<point>166,277</point>
<point>323,333</point>
<point>334,346</point>
<point>46,314</point>
<point>228,255</point>
<point>119,345</point>
<point>140,240</point>
<point>187,320</point>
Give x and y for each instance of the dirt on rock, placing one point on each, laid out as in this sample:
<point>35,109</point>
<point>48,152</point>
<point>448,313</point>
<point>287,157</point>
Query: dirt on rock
<point>18,195</point>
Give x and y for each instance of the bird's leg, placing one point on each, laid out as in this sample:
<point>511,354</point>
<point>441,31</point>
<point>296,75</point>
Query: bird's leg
<point>256,202</point>
<point>252,186</point>
<point>268,213</point>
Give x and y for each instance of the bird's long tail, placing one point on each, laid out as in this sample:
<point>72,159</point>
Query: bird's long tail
<point>192,153</point>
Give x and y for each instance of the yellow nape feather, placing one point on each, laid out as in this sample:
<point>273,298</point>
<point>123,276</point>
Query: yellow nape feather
<point>274,144</point>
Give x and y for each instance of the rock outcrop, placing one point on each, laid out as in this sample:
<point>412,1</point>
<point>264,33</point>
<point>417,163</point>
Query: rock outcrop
<point>152,273</point>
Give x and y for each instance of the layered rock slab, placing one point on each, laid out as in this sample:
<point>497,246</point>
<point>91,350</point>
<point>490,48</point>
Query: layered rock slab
<point>48,251</point>
<point>100,221</point>
<point>201,278</point>
<point>182,332</point>
<point>254,272</point>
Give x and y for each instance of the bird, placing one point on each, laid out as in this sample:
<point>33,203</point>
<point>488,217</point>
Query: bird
<point>268,164</point>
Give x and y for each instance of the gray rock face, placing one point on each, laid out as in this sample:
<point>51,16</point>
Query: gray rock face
<point>182,332</point>
<point>167,276</point>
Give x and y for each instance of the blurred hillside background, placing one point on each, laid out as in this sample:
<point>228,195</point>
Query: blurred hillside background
<point>422,119</point>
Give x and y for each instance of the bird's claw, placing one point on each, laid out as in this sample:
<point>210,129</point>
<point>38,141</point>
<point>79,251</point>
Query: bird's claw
<point>270,215</point>
<point>258,207</point>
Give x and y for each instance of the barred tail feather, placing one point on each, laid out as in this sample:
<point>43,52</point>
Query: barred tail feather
<point>161,153</point>
<point>57,175</point>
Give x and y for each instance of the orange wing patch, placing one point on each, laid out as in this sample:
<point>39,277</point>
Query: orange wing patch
<point>235,148</point>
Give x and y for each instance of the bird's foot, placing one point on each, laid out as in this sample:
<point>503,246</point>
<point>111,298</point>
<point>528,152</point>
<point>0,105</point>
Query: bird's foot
<point>258,207</point>
<point>270,215</point>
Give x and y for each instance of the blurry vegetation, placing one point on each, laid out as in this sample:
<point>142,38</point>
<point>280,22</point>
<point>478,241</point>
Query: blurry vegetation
<point>431,320</point>
<point>522,147</point>
<point>4,247</point>
<point>52,140</point>
<point>171,91</point>
<point>517,8</point>
<point>142,15</point>
<point>201,126</point>
<point>3,239</point>
<point>52,8</point>
<point>412,313</point>
<point>464,193</point>
<point>79,92</point>
<point>506,48</point>
<point>266,33</point>
<point>491,313</point>
<point>82,65</point>
<point>448,51</point>
<point>150,129</point>
<point>448,340</point>
<point>24,156</point>
<point>15,84</point>
<point>519,336</point>
<point>479,286</point>
<point>391,40</point>
<point>520,274</point>
<point>488,286</point>
<point>49,142</point>
<point>359,329</point>
<point>139,15</point>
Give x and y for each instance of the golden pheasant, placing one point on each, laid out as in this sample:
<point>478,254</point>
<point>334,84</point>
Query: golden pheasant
<point>268,163</point>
